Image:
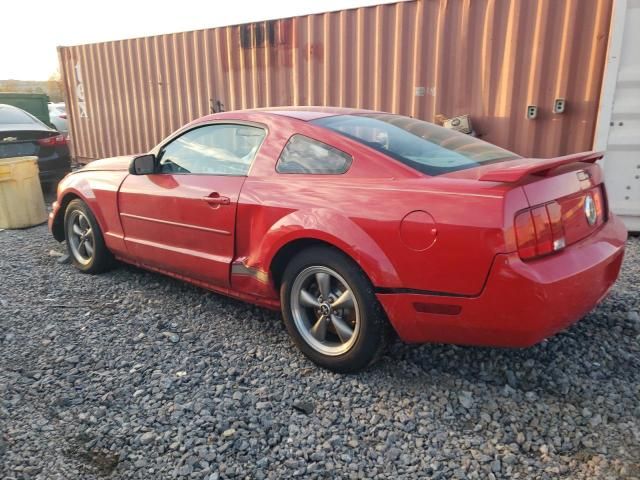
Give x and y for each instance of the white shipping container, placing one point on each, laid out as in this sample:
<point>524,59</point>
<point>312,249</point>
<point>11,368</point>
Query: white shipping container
<point>618,128</point>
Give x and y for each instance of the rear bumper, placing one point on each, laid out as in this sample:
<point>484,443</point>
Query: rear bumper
<point>521,303</point>
<point>55,166</point>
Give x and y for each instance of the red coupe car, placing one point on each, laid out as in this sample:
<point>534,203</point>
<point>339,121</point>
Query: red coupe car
<point>352,222</point>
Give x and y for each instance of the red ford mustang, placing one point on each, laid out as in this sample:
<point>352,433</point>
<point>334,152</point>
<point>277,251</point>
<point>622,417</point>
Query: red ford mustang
<point>352,222</point>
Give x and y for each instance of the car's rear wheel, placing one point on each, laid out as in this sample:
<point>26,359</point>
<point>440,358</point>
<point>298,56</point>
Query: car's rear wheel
<point>331,311</point>
<point>85,242</point>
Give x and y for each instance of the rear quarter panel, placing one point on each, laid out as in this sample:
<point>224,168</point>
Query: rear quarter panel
<point>363,218</point>
<point>361,212</point>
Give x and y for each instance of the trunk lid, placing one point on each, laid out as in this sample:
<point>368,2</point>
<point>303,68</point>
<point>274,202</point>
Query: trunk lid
<point>22,142</point>
<point>570,187</point>
<point>578,189</point>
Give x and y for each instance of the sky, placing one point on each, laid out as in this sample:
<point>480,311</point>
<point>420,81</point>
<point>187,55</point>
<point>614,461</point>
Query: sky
<point>32,29</point>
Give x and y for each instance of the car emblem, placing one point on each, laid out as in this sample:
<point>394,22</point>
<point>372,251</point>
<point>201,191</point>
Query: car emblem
<point>590,210</point>
<point>9,139</point>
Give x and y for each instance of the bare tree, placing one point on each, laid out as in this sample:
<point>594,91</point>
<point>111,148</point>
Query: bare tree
<point>54,87</point>
<point>9,86</point>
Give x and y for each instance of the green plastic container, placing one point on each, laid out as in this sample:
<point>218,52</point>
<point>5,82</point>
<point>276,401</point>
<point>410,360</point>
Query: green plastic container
<point>34,103</point>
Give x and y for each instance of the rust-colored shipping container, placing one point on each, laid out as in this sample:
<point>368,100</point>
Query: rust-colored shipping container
<point>491,59</point>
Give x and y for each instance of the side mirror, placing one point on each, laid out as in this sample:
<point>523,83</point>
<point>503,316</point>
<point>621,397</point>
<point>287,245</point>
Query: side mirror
<point>143,165</point>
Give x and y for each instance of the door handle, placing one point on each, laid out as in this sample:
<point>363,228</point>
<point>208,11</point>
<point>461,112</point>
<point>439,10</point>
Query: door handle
<point>214,198</point>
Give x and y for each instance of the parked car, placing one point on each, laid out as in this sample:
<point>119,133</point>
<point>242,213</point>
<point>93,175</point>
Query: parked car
<point>58,116</point>
<point>22,134</point>
<point>351,222</point>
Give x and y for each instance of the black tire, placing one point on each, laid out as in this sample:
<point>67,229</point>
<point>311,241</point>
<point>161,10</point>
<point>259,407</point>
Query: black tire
<point>373,331</point>
<point>101,259</point>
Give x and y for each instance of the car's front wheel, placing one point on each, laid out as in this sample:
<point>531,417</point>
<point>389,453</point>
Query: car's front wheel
<point>85,242</point>
<point>331,311</point>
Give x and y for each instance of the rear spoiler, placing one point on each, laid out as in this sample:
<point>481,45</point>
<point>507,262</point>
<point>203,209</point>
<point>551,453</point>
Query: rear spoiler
<point>517,169</point>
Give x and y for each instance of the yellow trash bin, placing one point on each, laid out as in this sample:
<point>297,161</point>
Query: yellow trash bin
<point>21,199</point>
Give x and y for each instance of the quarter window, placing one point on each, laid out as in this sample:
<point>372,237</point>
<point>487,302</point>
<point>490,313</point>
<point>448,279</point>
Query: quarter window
<point>305,155</point>
<point>212,149</point>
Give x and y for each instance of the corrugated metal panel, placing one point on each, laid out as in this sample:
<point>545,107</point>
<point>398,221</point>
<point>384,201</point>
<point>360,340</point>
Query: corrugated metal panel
<point>486,58</point>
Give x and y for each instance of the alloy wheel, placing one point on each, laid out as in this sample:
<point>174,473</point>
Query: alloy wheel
<point>325,310</point>
<point>81,239</point>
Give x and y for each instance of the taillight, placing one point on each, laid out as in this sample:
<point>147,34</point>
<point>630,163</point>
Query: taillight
<point>557,229</point>
<point>539,231</point>
<point>525,235</point>
<point>597,199</point>
<point>53,141</point>
<point>63,115</point>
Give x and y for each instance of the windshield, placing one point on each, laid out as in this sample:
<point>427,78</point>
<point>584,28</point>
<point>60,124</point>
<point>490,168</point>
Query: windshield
<point>421,145</point>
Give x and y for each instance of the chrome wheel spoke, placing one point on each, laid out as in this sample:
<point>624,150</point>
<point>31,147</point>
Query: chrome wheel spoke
<point>324,284</point>
<point>343,330</point>
<point>319,329</point>
<point>308,300</point>
<point>84,224</point>
<point>80,237</point>
<point>345,300</point>
<point>89,248</point>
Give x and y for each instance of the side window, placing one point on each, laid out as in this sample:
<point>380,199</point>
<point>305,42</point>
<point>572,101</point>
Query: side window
<point>304,155</point>
<point>212,149</point>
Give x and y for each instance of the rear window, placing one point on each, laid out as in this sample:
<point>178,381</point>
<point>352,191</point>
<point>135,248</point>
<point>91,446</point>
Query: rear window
<point>14,115</point>
<point>421,145</point>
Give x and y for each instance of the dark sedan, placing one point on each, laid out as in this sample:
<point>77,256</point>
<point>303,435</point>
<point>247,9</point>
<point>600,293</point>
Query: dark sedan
<point>21,134</point>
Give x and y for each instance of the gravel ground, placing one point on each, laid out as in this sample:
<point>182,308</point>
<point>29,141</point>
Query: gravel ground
<point>134,375</point>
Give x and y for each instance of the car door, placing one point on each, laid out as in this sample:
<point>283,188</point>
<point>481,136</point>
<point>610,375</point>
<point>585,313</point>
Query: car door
<point>182,218</point>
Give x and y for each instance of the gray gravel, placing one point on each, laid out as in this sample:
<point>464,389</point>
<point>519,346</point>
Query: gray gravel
<point>133,375</point>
